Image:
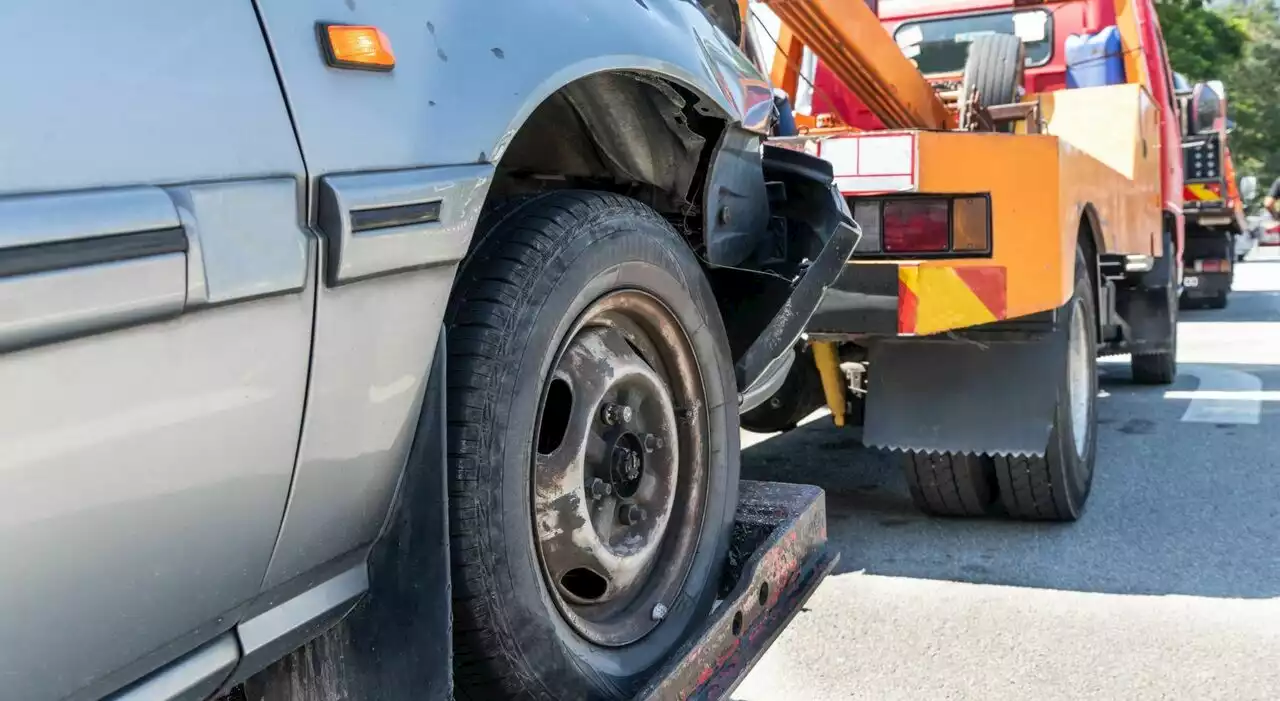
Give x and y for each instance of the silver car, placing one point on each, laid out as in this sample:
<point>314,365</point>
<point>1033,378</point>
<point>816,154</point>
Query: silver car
<point>230,242</point>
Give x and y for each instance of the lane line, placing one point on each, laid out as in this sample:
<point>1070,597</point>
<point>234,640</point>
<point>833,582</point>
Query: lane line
<point>1224,396</point>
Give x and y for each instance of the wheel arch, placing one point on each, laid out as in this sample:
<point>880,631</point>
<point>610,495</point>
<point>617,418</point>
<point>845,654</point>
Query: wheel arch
<point>1089,238</point>
<point>624,130</point>
<point>1090,229</point>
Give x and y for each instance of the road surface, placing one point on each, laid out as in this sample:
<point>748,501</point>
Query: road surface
<point>1168,588</point>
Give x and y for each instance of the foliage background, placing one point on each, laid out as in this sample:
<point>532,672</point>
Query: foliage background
<point>1237,42</point>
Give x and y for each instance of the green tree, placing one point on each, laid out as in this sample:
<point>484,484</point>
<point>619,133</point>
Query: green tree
<point>1253,101</point>
<point>1202,42</point>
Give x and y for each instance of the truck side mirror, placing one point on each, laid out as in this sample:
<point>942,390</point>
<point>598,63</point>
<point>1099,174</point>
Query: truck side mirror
<point>1208,107</point>
<point>1248,188</point>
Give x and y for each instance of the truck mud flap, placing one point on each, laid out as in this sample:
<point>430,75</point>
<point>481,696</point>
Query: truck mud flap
<point>778,556</point>
<point>964,395</point>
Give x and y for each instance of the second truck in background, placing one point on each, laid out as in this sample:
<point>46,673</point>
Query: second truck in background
<point>1212,204</point>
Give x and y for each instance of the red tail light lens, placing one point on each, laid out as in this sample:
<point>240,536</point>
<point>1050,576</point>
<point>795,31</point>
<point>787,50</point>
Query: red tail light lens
<point>916,226</point>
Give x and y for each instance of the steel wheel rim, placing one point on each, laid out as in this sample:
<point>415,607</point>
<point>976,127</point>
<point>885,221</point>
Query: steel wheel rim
<point>1078,384</point>
<point>620,468</point>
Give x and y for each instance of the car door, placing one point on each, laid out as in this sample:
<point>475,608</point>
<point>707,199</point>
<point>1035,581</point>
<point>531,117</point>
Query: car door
<point>155,323</point>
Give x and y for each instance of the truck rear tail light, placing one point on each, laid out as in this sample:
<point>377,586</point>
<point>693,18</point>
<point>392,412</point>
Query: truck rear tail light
<point>923,226</point>
<point>1213,265</point>
<point>969,224</point>
<point>916,226</point>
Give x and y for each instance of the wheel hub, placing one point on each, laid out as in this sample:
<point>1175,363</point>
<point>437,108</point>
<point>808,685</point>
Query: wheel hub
<point>611,460</point>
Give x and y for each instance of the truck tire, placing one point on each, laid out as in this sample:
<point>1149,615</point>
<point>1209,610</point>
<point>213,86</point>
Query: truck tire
<point>994,70</point>
<point>1055,487</point>
<point>950,484</point>
<point>1161,368</point>
<point>593,449</point>
<point>1218,301</point>
<point>799,396</point>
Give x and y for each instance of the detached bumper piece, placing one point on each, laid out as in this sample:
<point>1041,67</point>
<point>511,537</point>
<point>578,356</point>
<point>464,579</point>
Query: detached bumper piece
<point>778,557</point>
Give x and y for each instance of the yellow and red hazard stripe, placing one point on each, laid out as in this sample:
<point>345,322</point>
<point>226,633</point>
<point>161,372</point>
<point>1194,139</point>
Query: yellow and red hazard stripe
<point>932,299</point>
<point>1201,192</point>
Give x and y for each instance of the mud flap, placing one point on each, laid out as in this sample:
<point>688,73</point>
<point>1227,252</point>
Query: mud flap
<point>965,395</point>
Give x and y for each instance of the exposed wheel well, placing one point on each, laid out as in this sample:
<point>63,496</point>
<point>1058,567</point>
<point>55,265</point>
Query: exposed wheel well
<point>624,132</point>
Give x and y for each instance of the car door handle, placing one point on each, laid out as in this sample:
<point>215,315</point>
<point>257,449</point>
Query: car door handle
<point>379,223</point>
<point>81,262</point>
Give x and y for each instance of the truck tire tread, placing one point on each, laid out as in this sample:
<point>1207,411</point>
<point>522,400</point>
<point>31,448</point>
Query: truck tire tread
<point>1154,368</point>
<point>1026,487</point>
<point>949,484</point>
<point>1055,486</point>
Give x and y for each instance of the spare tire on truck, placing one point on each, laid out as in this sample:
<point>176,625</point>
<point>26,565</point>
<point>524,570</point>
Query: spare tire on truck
<point>592,449</point>
<point>994,71</point>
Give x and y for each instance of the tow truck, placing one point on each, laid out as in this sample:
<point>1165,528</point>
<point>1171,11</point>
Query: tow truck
<point>1017,173</point>
<point>1213,208</point>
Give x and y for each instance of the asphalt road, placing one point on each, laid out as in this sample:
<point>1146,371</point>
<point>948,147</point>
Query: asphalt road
<point>1168,588</point>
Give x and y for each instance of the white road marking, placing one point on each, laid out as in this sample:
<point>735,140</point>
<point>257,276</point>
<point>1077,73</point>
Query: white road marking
<point>1224,397</point>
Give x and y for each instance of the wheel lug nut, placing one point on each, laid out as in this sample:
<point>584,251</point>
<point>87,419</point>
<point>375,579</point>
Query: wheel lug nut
<point>600,489</point>
<point>652,442</point>
<point>615,413</point>
<point>630,514</point>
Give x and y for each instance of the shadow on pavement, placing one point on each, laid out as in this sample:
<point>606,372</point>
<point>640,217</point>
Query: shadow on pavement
<point>1177,508</point>
<point>1242,306</point>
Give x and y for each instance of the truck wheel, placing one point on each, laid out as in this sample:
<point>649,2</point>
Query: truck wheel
<point>994,70</point>
<point>1056,486</point>
<point>592,449</point>
<point>799,396</point>
<point>1161,368</point>
<point>950,484</point>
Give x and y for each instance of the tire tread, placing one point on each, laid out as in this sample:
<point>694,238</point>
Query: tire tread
<point>949,484</point>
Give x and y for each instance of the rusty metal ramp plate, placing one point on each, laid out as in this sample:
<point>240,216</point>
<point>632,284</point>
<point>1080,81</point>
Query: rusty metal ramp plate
<point>777,558</point>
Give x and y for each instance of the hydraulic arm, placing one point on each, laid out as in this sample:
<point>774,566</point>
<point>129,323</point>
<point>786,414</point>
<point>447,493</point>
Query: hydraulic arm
<point>848,38</point>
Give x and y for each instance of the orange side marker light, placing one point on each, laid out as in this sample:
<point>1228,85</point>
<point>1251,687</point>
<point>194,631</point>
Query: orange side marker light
<point>359,47</point>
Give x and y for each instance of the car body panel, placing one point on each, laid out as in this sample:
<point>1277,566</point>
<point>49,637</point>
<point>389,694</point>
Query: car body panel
<point>468,74</point>
<point>158,339</point>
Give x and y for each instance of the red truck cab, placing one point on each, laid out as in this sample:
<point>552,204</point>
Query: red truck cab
<point>933,33</point>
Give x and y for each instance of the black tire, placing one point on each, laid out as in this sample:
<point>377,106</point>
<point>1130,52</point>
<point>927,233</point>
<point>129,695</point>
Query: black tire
<point>994,69</point>
<point>1218,301</point>
<point>1055,487</point>
<point>799,396</point>
<point>1161,368</point>
<point>535,268</point>
<point>950,484</point>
